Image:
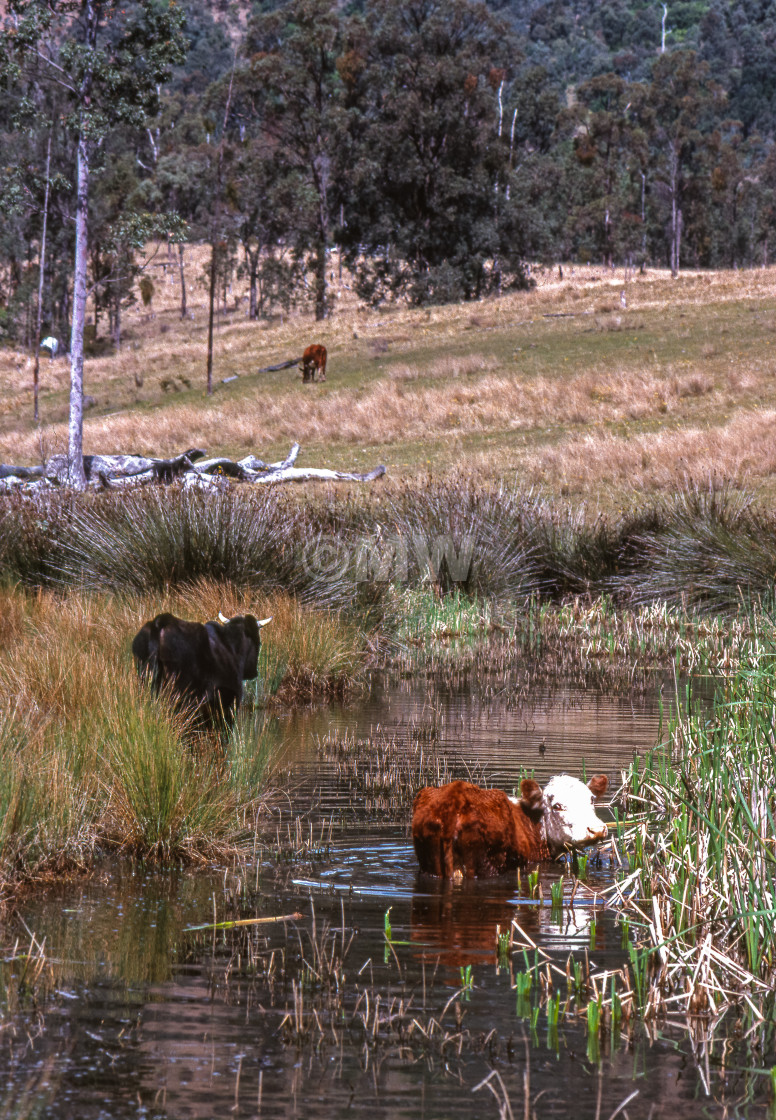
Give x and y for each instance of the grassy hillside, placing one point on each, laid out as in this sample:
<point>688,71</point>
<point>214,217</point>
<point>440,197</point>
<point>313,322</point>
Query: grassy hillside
<point>561,386</point>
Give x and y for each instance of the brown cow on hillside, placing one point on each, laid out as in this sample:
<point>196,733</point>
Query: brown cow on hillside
<point>314,358</point>
<point>462,829</point>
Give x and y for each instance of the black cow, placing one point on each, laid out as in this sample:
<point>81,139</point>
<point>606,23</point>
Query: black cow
<point>205,664</point>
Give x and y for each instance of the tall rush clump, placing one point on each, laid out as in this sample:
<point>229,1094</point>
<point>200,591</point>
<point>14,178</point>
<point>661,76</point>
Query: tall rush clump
<point>704,849</point>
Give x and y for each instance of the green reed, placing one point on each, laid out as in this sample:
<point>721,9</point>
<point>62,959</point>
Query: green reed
<point>704,852</point>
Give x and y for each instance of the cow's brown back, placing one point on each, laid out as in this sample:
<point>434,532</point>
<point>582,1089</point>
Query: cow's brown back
<point>462,828</point>
<point>314,359</point>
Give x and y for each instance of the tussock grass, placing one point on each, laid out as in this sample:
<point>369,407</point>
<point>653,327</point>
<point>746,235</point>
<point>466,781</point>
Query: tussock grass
<point>91,761</point>
<point>714,548</point>
<point>710,547</point>
<point>153,538</point>
<point>47,818</point>
<point>166,801</point>
<point>458,533</point>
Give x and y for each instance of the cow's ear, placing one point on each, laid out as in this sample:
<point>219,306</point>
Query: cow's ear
<point>598,784</point>
<point>531,794</point>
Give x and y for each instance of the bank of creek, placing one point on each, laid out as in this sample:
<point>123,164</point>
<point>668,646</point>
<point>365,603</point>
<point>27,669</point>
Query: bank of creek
<point>136,1013</point>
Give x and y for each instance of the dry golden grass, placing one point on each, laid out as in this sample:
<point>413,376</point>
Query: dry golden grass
<point>388,412</point>
<point>743,449</point>
<point>509,381</point>
<point>62,650</point>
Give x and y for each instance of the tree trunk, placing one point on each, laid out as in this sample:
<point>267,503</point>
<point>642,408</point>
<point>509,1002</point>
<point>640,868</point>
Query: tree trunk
<point>183,280</point>
<point>75,454</point>
<point>65,310</point>
<point>253,274</point>
<point>75,450</point>
<point>42,266</point>
<point>216,227</point>
<point>117,320</point>
<point>320,176</point>
<point>676,213</point>
<point>321,307</point>
<point>211,307</point>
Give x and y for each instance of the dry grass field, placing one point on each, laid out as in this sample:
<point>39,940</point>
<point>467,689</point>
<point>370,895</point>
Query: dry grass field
<point>593,386</point>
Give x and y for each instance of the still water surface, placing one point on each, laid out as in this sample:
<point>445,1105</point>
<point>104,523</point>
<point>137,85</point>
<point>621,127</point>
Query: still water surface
<point>149,1018</point>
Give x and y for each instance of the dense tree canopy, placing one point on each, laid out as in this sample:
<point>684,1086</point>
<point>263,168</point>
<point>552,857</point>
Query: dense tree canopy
<point>439,144</point>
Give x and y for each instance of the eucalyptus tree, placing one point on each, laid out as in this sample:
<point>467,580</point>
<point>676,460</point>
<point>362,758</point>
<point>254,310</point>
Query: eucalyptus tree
<point>678,109</point>
<point>108,64</point>
<point>609,158</point>
<point>266,196</point>
<point>295,91</point>
<point>433,216</point>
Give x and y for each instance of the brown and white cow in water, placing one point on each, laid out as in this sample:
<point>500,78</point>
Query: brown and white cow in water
<point>314,358</point>
<point>462,829</point>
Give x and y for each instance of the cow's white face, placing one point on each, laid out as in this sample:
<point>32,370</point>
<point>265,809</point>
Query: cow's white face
<point>568,807</point>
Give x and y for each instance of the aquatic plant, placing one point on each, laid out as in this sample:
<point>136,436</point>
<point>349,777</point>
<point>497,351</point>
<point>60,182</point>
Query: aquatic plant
<point>701,889</point>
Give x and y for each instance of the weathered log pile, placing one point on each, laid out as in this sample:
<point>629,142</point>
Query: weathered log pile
<point>190,469</point>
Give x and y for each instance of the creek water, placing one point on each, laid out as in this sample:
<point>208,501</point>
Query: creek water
<point>318,1016</point>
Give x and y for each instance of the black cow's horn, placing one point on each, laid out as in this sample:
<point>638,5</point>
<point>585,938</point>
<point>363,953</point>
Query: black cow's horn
<point>264,621</point>
<point>223,618</point>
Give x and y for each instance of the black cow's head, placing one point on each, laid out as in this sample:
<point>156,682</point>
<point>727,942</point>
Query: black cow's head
<point>242,634</point>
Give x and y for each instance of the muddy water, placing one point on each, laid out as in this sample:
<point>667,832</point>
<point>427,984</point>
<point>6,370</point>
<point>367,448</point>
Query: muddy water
<point>318,1016</point>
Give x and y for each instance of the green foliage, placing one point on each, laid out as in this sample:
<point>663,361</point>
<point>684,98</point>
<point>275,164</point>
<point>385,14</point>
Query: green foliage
<point>419,138</point>
<point>442,225</point>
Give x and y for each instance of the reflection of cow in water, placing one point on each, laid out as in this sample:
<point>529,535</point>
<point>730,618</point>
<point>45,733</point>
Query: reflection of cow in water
<point>459,923</point>
<point>314,358</point>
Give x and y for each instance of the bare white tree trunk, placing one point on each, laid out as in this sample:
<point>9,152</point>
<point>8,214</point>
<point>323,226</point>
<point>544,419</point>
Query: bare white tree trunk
<point>75,452</point>
<point>511,152</point>
<point>183,280</point>
<point>75,447</point>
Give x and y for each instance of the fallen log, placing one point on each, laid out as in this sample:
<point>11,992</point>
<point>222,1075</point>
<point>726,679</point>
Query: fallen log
<point>303,474</point>
<point>123,466</point>
<point>7,471</point>
<point>251,463</point>
<point>281,365</point>
<point>118,472</point>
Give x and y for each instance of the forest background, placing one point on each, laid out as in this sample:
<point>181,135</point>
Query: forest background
<point>438,144</point>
